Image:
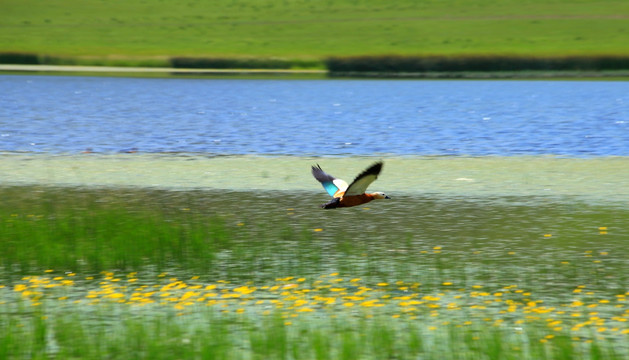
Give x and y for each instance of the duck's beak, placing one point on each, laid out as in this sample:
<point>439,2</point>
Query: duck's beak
<point>387,197</point>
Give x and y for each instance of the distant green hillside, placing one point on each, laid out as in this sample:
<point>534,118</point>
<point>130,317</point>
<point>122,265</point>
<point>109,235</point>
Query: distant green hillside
<point>314,29</point>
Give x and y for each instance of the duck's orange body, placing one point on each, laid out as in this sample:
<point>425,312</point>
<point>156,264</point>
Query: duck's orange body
<point>348,201</point>
<point>352,195</point>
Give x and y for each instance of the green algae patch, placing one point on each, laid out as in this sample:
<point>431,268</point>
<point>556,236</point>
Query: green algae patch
<point>600,178</point>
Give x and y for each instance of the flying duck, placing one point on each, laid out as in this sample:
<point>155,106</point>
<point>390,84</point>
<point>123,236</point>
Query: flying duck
<point>352,195</point>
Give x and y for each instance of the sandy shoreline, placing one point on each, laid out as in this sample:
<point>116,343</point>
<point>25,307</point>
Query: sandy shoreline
<point>303,73</point>
<point>152,70</point>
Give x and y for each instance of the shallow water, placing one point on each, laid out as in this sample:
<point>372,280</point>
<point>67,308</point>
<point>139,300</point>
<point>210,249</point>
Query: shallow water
<point>280,235</point>
<point>54,114</point>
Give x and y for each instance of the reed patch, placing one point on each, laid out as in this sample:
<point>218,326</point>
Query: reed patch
<point>408,65</point>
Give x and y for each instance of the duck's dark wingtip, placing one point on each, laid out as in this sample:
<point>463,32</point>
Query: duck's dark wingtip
<point>374,169</point>
<point>317,171</point>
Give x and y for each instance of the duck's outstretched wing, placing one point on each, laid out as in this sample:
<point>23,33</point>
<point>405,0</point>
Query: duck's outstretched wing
<point>335,187</point>
<point>362,181</point>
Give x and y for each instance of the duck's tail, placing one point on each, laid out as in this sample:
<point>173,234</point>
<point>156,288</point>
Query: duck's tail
<point>332,204</point>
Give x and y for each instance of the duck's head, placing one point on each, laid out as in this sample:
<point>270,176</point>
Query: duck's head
<point>380,195</point>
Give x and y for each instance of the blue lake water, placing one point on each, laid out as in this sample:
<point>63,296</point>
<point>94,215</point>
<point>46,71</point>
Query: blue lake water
<point>56,114</point>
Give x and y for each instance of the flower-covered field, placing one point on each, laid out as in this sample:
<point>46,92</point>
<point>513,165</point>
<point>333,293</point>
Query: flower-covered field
<point>138,274</point>
<point>476,321</point>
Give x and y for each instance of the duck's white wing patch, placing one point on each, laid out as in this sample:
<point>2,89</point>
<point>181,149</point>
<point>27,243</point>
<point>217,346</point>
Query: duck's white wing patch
<point>341,185</point>
<point>363,180</point>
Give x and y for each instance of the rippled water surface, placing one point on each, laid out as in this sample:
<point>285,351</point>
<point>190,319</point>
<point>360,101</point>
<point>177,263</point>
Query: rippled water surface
<point>327,117</point>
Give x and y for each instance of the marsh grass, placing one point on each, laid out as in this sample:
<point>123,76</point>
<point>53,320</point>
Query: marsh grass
<point>238,235</point>
<point>210,334</point>
<point>307,30</point>
<point>157,274</point>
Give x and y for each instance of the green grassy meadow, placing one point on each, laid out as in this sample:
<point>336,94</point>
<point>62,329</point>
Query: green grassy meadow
<point>119,273</point>
<point>125,31</point>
